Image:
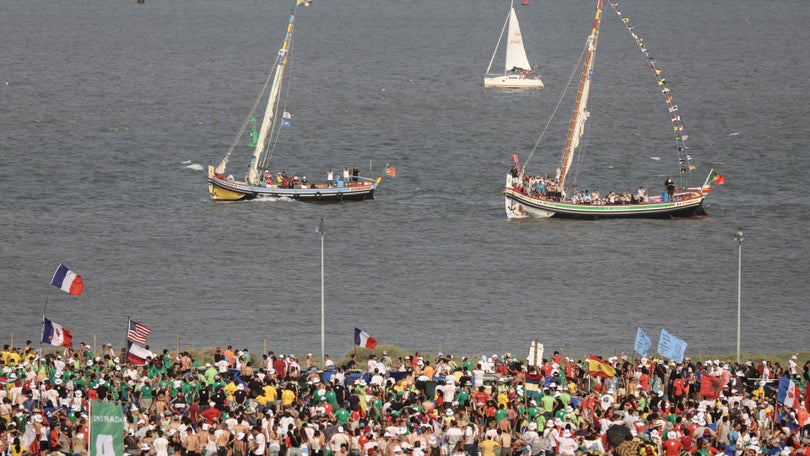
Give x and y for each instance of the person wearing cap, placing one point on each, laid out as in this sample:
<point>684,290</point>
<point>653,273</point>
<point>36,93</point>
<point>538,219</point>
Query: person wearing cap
<point>338,440</point>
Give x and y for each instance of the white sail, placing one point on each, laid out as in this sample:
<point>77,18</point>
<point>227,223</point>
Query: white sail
<point>515,53</point>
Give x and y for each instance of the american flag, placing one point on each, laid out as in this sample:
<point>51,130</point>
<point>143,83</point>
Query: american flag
<point>138,332</point>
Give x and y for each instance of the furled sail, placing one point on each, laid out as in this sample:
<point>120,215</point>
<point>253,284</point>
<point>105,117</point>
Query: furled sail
<point>580,115</point>
<point>272,103</point>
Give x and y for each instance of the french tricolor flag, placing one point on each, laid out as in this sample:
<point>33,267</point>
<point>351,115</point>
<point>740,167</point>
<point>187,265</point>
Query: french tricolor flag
<point>362,339</point>
<point>67,280</point>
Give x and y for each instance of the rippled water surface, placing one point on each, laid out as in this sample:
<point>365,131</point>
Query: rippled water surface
<point>106,106</point>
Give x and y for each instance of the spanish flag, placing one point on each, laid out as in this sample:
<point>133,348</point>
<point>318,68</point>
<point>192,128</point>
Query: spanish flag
<point>599,368</point>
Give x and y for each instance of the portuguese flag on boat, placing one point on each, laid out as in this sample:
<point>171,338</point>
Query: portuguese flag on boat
<point>715,178</point>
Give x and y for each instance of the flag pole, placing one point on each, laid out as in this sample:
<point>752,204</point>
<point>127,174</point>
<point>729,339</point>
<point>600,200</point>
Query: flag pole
<point>126,336</point>
<point>321,229</point>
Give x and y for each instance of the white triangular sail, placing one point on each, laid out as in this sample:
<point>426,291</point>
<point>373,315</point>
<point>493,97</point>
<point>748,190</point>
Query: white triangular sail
<point>515,52</point>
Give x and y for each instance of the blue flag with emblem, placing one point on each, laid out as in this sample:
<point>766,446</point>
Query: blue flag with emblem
<point>671,347</point>
<point>643,342</point>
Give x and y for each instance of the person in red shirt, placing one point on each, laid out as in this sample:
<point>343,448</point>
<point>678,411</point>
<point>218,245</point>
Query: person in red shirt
<point>280,367</point>
<point>686,440</point>
<point>481,396</point>
<point>211,413</point>
<point>679,389</point>
<point>672,446</point>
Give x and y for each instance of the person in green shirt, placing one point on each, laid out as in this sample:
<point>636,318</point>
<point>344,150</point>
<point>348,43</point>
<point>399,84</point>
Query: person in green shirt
<point>342,416</point>
<point>548,401</point>
<point>501,413</point>
<point>462,396</point>
<point>565,398</point>
<point>145,397</point>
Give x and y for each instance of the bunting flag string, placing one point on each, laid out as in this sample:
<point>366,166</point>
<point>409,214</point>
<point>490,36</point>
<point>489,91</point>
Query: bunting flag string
<point>680,139</point>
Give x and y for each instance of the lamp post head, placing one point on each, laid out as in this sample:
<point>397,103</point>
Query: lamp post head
<point>739,236</point>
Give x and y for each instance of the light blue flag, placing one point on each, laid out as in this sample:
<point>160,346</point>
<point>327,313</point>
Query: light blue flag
<point>671,347</point>
<point>643,342</point>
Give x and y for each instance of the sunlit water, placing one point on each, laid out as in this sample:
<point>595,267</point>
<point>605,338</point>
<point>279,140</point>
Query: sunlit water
<point>112,111</point>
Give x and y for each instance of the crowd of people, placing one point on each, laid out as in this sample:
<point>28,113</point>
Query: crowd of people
<point>547,188</point>
<point>238,404</point>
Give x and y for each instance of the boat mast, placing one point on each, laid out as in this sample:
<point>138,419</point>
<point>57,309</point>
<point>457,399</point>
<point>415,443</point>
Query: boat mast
<point>272,100</point>
<point>577,127</point>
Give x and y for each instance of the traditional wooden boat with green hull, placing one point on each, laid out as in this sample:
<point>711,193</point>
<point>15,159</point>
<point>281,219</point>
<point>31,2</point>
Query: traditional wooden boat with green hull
<point>540,196</point>
<point>259,181</point>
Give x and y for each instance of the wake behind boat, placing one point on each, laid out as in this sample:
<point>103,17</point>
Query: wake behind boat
<point>518,72</point>
<point>540,196</point>
<point>259,181</point>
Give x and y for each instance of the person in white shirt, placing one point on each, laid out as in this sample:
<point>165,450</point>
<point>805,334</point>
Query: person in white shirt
<point>161,444</point>
<point>259,441</point>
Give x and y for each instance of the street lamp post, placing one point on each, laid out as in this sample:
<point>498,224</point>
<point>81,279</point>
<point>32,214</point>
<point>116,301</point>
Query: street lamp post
<point>321,229</point>
<point>739,238</point>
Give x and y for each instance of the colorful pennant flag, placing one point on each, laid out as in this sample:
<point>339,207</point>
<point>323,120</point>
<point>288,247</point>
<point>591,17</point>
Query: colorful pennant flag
<point>362,339</point>
<point>67,280</point>
<point>599,368</point>
<point>390,170</point>
<point>138,332</point>
<point>55,334</point>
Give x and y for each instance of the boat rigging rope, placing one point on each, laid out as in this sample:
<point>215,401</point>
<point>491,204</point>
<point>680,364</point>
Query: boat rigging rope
<point>685,160</point>
<point>559,102</point>
<point>224,162</point>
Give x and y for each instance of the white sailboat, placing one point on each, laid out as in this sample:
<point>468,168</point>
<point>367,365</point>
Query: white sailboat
<point>517,71</point>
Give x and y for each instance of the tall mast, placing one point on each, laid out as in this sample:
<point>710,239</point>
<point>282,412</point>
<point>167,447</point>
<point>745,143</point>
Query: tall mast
<point>272,100</point>
<point>580,107</point>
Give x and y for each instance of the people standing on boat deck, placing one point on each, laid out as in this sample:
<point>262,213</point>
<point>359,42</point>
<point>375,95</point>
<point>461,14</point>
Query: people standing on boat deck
<point>642,195</point>
<point>330,178</point>
<point>304,182</point>
<point>670,188</point>
<point>346,175</point>
<point>355,174</point>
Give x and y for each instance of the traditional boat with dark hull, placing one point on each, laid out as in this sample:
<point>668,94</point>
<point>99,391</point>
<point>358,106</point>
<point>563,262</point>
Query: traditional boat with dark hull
<point>521,205</point>
<point>222,189</point>
<point>259,181</point>
<point>541,197</point>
